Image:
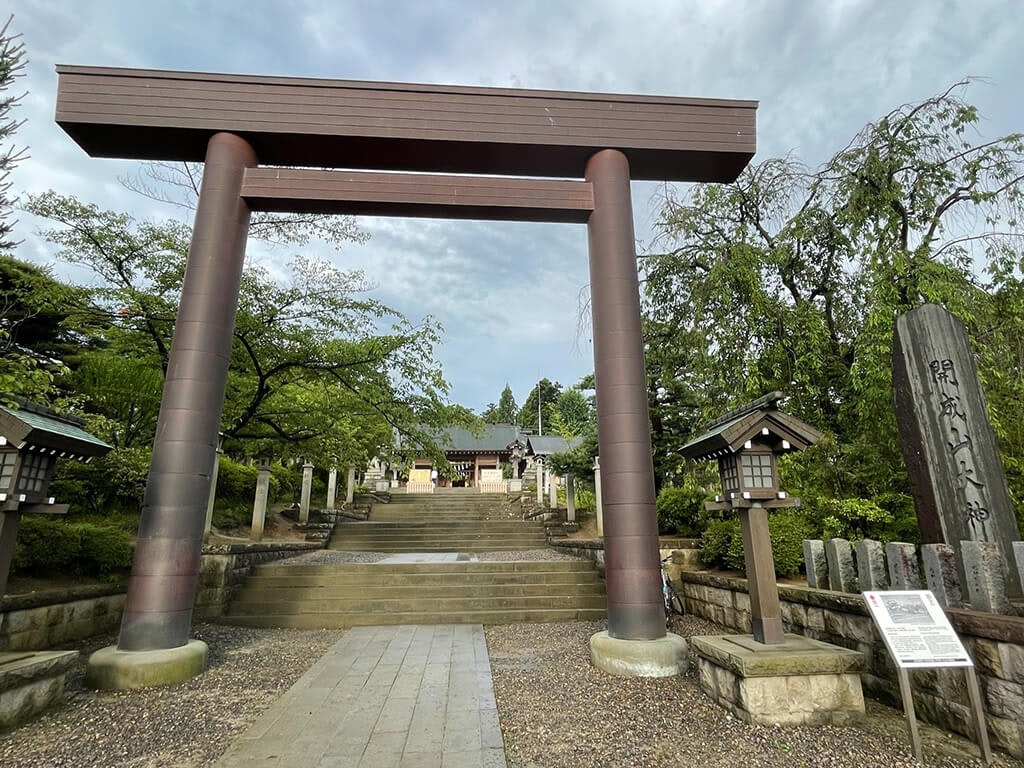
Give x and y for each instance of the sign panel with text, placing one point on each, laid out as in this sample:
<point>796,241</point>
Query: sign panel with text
<point>916,630</point>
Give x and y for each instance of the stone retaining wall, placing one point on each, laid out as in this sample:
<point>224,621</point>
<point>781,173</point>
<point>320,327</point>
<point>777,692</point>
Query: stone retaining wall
<point>54,619</point>
<point>223,567</point>
<point>996,644</point>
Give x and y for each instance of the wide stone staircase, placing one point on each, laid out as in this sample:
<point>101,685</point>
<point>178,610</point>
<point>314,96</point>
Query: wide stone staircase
<point>438,572</point>
<point>456,520</point>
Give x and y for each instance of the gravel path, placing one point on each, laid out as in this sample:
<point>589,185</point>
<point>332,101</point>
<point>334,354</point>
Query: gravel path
<point>557,711</point>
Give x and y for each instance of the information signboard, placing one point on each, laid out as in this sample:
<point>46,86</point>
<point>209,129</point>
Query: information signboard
<point>918,634</point>
<point>916,629</point>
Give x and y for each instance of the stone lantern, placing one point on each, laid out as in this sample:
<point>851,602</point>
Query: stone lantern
<point>746,443</point>
<point>32,438</point>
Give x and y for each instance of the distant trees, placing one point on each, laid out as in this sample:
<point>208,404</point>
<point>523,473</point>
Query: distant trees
<point>505,412</point>
<point>536,411</point>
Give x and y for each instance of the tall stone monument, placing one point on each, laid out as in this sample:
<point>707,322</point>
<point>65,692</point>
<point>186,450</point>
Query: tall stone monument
<point>948,443</point>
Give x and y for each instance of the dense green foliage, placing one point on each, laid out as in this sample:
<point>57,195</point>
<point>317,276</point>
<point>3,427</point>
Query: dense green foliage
<point>792,279</point>
<point>71,548</point>
<point>681,510</point>
<point>722,542</point>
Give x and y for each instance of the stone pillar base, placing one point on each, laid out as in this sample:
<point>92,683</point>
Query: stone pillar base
<point>113,669</point>
<point>663,657</point>
<point>797,682</point>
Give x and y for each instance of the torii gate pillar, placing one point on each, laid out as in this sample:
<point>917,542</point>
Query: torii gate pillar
<point>636,642</point>
<point>154,646</point>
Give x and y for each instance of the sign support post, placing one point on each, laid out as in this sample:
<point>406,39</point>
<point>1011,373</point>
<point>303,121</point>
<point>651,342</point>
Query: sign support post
<point>918,635</point>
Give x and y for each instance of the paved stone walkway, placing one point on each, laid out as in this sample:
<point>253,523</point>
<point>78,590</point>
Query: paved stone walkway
<point>384,697</point>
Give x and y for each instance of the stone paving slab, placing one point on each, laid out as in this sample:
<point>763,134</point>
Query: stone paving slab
<point>384,697</point>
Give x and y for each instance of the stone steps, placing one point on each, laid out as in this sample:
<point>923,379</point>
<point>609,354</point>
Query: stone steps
<point>362,594</point>
<point>301,620</point>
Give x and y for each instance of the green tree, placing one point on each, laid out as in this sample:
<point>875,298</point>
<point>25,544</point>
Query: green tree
<point>12,66</point>
<point>791,279</point>
<point>538,405</point>
<point>573,415</point>
<point>312,353</point>
<point>507,411</point>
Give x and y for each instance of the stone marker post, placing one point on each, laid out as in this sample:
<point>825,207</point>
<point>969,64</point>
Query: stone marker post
<point>570,498</point>
<point>903,570</point>
<point>307,489</point>
<point>540,482</point>
<point>985,566</point>
<point>597,496</point>
<point>957,479</point>
<point>816,564</point>
<point>552,490</point>
<point>871,565</point>
<point>842,576</point>
<point>332,487</point>
<point>942,575</point>
<point>259,505</point>
<point>1018,555</point>
<point>350,485</point>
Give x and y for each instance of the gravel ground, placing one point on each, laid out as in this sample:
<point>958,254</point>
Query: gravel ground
<point>557,711</point>
<point>180,726</point>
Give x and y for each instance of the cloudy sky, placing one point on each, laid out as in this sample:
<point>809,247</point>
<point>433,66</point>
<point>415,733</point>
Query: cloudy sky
<point>507,293</point>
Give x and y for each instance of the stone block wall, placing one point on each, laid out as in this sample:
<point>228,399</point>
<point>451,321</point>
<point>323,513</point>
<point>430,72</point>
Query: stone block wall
<point>223,567</point>
<point>51,620</point>
<point>59,619</point>
<point>995,642</point>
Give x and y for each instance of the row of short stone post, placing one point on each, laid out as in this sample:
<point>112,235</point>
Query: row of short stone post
<point>869,566</point>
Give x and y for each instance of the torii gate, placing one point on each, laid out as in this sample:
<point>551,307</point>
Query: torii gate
<point>239,125</point>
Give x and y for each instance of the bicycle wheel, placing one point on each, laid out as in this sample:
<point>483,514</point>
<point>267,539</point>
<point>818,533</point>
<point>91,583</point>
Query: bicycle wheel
<point>673,601</point>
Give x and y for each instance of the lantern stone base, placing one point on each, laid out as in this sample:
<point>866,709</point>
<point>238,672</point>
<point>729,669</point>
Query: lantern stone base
<point>663,657</point>
<point>113,669</point>
<point>798,682</point>
<point>31,682</point>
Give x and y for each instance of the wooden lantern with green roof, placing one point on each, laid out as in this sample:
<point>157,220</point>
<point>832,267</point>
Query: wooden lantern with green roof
<point>32,438</point>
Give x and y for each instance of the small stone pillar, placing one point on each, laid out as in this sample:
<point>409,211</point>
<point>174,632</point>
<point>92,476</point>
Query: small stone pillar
<point>842,576</point>
<point>213,486</point>
<point>332,487</point>
<point>552,490</point>
<point>942,574</point>
<point>871,565</point>
<point>350,484</point>
<point>259,506</point>
<point>985,568</point>
<point>903,570</point>
<point>816,564</point>
<point>597,496</point>
<point>540,482</point>
<point>307,489</point>
<point>570,499</point>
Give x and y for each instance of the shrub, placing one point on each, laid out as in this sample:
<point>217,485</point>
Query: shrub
<point>850,518</point>
<point>75,548</point>
<point>231,514</point>
<point>680,510</point>
<point>235,481</point>
<point>722,542</point>
<point>110,484</point>
<point>718,539</point>
<point>104,550</point>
